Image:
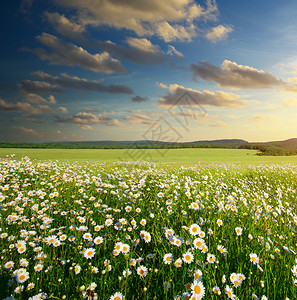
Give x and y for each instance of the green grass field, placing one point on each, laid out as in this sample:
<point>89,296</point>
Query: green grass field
<point>184,156</point>
<point>139,231</point>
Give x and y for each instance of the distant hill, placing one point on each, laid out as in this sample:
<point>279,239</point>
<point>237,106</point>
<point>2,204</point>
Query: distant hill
<point>275,148</point>
<point>143,142</point>
<point>231,141</point>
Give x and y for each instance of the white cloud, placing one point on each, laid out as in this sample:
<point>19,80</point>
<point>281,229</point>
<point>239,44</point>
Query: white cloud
<point>171,33</point>
<point>51,99</point>
<point>34,98</point>
<point>141,51</point>
<point>232,75</point>
<point>85,127</point>
<point>63,110</point>
<point>33,87</point>
<point>218,33</point>
<point>139,118</point>
<point>24,107</point>
<point>72,55</point>
<point>74,82</point>
<point>18,107</point>
<point>181,96</point>
<point>65,27</point>
<point>162,85</point>
<point>172,50</point>
<point>27,131</point>
<point>142,44</point>
<point>170,19</point>
<point>84,118</point>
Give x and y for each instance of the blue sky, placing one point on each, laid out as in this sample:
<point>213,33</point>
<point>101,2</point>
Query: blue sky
<point>176,70</point>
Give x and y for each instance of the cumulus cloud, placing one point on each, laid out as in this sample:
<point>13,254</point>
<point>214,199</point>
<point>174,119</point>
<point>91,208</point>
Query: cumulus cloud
<point>18,107</point>
<point>63,53</point>
<point>77,83</point>
<point>218,33</point>
<point>142,45</point>
<point>172,51</point>
<point>171,33</point>
<point>27,130</point>
<point>65,26</point>
<point>52,99</point>
<point>46,109</point>
<point>232,75</point>
<point>170,20</point>
<point>162,85</point>
<point>85,127</point>
<point>34,87</point>
<point>63,110</point>
<point>139,99</point>
<point>37,99</point>
<point>139,118</point>
<point>84,118</point>
<point>192,114</point>
<point>141,51</point>
<point>23,107</point>
<point>181,96</point>
<point>291,85</point>
<point>34,98</point>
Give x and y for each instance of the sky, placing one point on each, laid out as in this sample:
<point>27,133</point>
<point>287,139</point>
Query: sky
<point>125,70</point>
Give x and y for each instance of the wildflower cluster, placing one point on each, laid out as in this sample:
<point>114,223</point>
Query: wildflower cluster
<point>146,231</point>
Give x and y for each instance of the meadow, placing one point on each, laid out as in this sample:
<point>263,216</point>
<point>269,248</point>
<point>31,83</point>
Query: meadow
<point>144,230</point>
<point>178,156</point>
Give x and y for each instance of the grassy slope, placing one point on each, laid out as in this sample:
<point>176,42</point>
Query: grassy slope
<point>171,155</point>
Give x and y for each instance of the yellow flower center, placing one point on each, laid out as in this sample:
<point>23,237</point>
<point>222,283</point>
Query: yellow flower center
<point>22,277</point>
<point>197,289</point>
